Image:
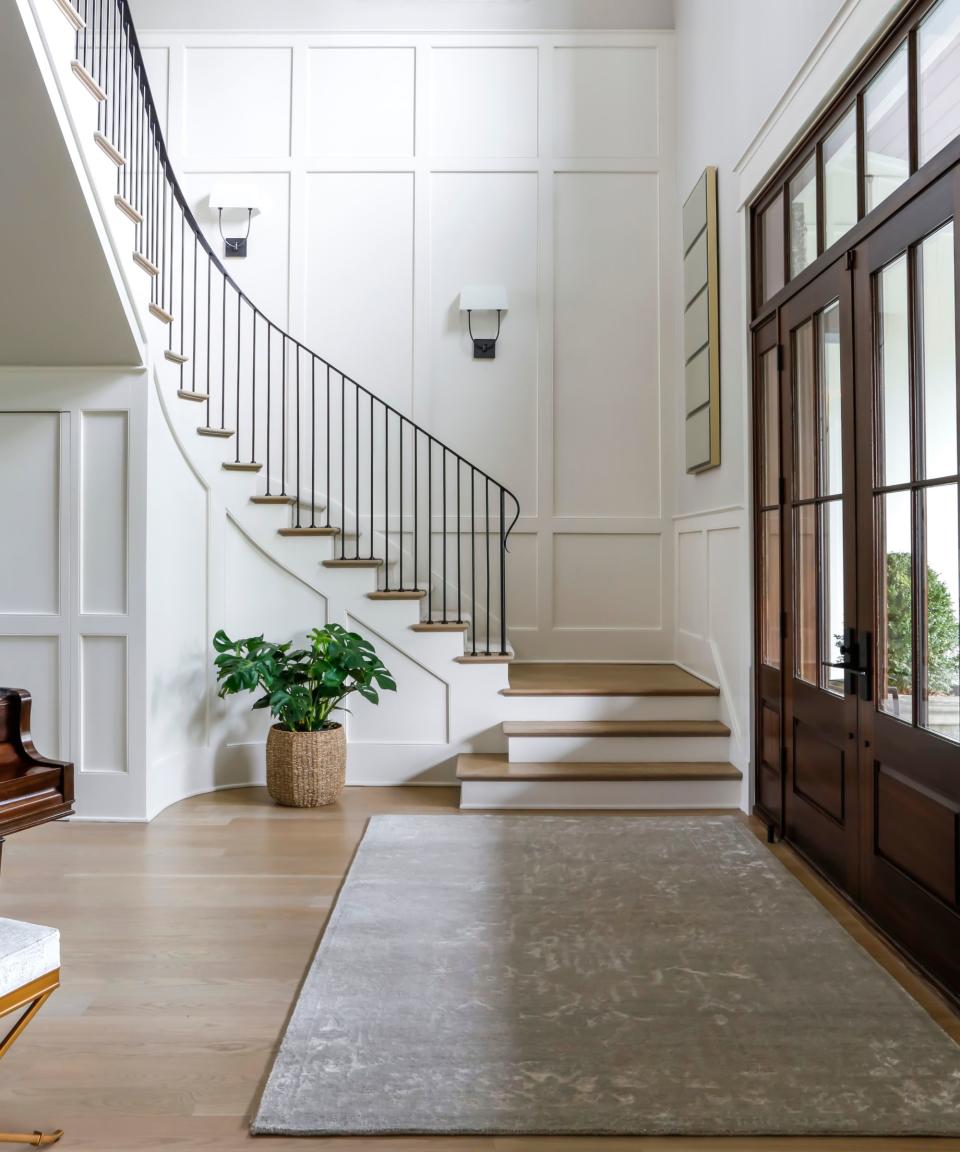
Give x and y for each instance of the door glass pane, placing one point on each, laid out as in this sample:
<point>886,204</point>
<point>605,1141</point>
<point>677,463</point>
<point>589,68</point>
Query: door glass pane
<point>804,413</point>
<point>803,217</point>
<point>832,593</point>
<point>831,479</point>
<point>938,49</point>
<point>840,178</point>
<point>771,243</point>
<point>887,129</point>
<point>895,600</point>
<point>893,401</point>
<point>805,550</point>
<point>939,352</point>
<point>941,680</point>
<point>770,593</point>
<point>770,490</point>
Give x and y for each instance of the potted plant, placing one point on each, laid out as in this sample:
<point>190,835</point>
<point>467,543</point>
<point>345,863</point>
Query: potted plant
<point>306,750</point>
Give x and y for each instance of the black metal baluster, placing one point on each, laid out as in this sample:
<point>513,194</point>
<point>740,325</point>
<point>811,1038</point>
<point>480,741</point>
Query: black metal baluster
<point>313,441</point>
<point>283,415</point>
<point>193,295</point>
<point>209,326</point>
<point>238,428</point>
<point>223,356</point>
<point>416,512</point>
<point>443,513</point>
<point>459,512</point>
<point>429,529</point>
<point>386,486</point>
<point>473,561</point>
<point>253,390</point>
<point>386,558</point>
<point>269,370</point>
<point>386,526</point>
<point>486,488</point>
<point>343,465</point>
<point>326,498</point>
<point>503,574</point>
<point>298,434</point>
<point>356,466</point>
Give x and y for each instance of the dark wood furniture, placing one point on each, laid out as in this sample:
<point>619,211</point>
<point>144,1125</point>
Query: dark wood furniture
<point>33,789</point>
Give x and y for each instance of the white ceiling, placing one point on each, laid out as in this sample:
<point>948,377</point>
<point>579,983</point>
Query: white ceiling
<point>401,15</point>
<point>59,304</point>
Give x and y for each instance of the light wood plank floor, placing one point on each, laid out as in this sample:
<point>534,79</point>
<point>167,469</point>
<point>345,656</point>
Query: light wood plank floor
<point>184,943</point>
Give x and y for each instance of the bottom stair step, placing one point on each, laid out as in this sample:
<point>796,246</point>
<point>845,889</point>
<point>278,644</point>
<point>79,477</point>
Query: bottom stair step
<point>481,766</point>
<point>492,781</point>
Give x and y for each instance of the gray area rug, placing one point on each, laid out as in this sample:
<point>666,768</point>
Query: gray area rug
<point>597,975</point>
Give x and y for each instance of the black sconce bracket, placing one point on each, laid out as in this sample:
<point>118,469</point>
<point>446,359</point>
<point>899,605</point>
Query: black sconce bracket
<point>234,245</point>
<point>484,348</point>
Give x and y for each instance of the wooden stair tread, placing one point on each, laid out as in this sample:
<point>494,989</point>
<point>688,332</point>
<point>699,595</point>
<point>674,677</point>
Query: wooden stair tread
<point>88,81</point>
<point>487,766</point>
<point>440,626</point>
<point>128,209</point>
<point>485,658</point>
<point>605,728</point>
<point>105,146</point>
<point>309,531</point>
<point>175,357</point>
<point>235,466</point>
<point>411,594</point>
<point>73,17</point>
<point>148,266</point>
<point>346,562</point>
<point>582,679</point>
<point>161,314</point>
<point>197,397</point>
<point>220,433</point>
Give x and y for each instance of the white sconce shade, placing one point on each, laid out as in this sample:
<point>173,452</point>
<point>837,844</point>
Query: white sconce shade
<point>483,298</point>
<point>245,197</point>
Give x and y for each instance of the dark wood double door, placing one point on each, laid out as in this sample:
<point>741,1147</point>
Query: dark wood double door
<point>858,709</point>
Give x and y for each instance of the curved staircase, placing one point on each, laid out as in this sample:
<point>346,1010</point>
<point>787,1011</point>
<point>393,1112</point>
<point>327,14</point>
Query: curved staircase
<point>397,531</point>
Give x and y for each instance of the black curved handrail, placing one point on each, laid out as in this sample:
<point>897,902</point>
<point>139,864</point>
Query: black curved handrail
<point>149,192</point>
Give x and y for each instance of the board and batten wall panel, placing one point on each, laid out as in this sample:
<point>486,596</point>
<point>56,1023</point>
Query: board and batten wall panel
<point>103,512</point>
<point>398,169</point>
<point>72,598</point>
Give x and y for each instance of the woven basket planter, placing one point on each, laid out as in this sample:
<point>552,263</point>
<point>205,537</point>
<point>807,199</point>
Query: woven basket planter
<point>306,769</point>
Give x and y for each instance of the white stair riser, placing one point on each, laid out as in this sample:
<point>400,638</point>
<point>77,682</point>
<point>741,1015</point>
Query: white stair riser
<point>610,708</point>
<point>600,794</point>
<point>619,749</point>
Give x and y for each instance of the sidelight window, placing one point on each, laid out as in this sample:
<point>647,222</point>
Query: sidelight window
<point>818,500</point>
<point>915,497</point>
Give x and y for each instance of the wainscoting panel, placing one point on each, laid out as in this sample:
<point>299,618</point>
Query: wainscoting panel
<point>597,577</point>
<point>358,277</point>
<point>607,102</point>
<point>103,704</point>
<point>493,403</point>
<point>30,467</point>
<point>33,662</point>
<point>607,405</point>
<point>232,114</point>
<point>361,101</point>
<point>484,102</point>
<point>103,512</point>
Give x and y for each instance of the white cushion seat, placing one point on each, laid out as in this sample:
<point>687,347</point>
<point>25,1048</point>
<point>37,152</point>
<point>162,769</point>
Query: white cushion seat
<point>27,952</point>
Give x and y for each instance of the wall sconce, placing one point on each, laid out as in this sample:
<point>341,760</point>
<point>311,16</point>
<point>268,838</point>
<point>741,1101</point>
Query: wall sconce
<point>234,198</point>
<point>488,298</point>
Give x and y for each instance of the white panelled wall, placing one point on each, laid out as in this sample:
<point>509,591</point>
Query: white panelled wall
<point>72,578</point>
<point>397,169</point>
